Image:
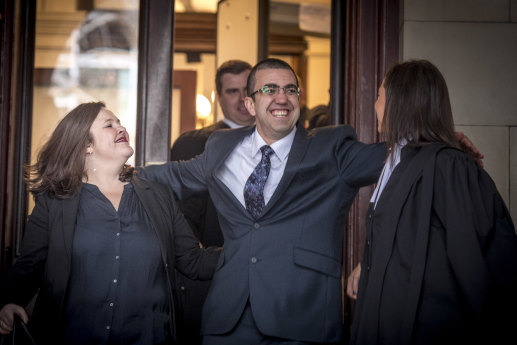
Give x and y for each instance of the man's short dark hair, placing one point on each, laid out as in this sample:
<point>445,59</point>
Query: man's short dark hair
<point>232,67</point>
<point>266,64</point>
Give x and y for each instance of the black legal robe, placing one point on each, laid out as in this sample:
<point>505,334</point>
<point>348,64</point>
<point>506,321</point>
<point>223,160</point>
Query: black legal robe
<point>440,261</point>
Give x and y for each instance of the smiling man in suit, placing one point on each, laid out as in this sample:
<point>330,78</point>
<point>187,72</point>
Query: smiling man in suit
<point>282,195</point>
<point>230,82</point>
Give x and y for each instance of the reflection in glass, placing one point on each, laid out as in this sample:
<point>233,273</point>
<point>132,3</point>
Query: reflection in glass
<point>83,56</point>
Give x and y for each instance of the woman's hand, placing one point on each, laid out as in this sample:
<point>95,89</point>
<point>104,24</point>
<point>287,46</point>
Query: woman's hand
<point>7,317</point>
<point>467,146</point>
<point>352,285</point>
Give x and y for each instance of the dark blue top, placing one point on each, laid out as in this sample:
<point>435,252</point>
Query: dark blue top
<point>118,291</point>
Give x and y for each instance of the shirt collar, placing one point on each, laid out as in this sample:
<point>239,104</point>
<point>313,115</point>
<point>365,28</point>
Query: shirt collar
<point>231,124</point>
<point>281,147</point>
<point>398,148</point>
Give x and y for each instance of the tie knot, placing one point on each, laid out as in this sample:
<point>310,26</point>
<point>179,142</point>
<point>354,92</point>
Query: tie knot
<point>266,151</point>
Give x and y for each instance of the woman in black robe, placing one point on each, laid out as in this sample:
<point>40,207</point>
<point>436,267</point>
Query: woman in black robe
<point>440,260</point>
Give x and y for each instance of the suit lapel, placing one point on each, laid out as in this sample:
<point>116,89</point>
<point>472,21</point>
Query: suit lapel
<point>151,205</point>
<point>296,155</point>
<point>221,153</point>
<point>225,147</point>
<point>147,198</point>
<point>69,216</point>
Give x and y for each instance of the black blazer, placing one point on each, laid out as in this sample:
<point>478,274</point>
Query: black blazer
<point>192,143</point>
<point>45,258</point>
<point>287,263</point>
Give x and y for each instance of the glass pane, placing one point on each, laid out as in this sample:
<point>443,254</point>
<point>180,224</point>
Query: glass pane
<point>86,50</point>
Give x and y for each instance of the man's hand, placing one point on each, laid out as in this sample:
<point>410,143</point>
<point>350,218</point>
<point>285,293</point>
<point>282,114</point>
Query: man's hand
<point>7,317</point>
<point>352,285</point>
<point>469,148</point>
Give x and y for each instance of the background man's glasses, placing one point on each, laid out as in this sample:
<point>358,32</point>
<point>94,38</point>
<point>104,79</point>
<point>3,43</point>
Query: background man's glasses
<point>274,90</point>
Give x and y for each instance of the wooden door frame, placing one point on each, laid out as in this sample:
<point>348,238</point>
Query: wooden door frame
<point>186,82</point>
<point>372,46</point>
<point>154,95</point>
<point>19,57</point>
<point>17,62</point>
<point>7,63</point>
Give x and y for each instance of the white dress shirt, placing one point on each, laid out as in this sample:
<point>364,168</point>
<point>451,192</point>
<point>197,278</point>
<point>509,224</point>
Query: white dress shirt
<point>244,158</point>
<point>391,162</point>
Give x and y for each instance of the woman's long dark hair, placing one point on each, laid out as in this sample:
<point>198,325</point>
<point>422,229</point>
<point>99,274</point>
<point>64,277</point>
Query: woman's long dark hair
<point>59,168</point>
<point>418,108</point>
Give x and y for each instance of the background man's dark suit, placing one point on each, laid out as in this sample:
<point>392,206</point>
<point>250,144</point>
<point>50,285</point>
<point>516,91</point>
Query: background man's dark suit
<point>199,211</point>
<point>286,263</point>
<point>202,217</point>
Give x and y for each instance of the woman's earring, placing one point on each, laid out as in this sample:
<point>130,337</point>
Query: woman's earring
<point>91,153</point>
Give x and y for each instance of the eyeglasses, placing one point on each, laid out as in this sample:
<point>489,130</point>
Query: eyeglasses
<point>274,90</point>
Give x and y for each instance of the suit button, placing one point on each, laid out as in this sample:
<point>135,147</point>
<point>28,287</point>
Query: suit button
<point>368,243</point>
<point>256,225</point>
<point>253,260</point>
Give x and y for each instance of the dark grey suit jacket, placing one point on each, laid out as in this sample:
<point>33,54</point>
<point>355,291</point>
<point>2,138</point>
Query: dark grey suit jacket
<point>46,253</point>
<point>287,262</point>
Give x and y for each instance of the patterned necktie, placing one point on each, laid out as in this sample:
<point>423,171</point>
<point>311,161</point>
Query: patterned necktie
<point>254,187</point>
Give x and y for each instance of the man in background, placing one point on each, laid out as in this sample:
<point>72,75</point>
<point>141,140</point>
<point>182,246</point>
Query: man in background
<point>230,81</point>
